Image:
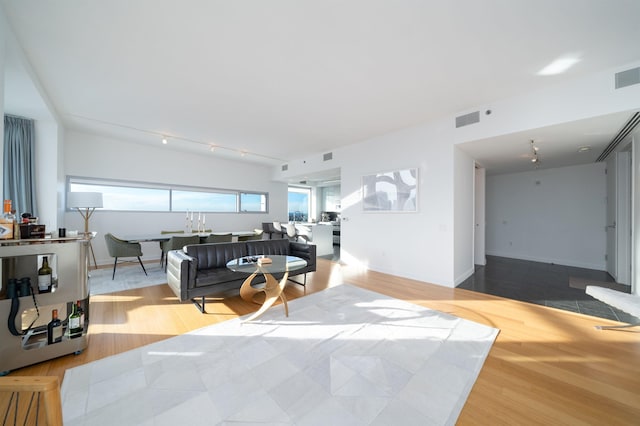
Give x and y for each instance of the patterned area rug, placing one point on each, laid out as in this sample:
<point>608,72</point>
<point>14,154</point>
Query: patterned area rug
<point>344,356</point>
<point>128,276</point>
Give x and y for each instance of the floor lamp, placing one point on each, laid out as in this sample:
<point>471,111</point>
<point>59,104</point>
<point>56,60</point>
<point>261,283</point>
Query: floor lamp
<point>86,203</point>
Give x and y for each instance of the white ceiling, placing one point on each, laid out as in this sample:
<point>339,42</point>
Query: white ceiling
<point>558,146</point>
<point>283,79</point>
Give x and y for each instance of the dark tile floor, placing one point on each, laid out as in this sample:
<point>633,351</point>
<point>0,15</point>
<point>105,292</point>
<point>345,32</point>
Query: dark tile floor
<point>542,283</point>
<point>335,257</point>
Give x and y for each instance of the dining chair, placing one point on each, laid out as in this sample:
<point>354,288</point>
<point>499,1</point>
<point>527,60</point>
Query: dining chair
<point>278,229</point>
<point>218,238</point>
<point>176,242</point>
<point>162,244</point>
<point>257,235</point>
<point>118,248</point>
<point>292,233</point>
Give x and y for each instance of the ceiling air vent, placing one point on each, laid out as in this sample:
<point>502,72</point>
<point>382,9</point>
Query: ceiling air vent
<point>628,127</point>
<point>627,78</point>
<point>285,167</point>
<point>328,156</point>
<point>465,120</point>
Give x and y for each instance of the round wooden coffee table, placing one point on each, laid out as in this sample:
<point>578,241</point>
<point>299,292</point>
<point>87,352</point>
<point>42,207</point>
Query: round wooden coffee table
<point>272,289</point>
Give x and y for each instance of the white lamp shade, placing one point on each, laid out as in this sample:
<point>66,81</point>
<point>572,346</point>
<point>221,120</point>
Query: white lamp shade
<point>84,200</point>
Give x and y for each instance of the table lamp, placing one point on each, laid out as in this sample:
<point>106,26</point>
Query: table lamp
<point>86,203</point>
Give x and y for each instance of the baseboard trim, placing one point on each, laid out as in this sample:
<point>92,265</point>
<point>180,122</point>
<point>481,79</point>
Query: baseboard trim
<point>460,279</point>
<point>599,266</point>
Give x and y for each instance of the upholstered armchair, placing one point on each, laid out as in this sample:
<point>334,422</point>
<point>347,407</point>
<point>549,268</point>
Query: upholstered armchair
<point>118,248</point>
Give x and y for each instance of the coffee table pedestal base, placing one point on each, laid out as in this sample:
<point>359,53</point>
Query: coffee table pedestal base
<point>272,291</point>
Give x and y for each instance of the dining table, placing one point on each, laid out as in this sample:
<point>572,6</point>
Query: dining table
<point>159,237</point>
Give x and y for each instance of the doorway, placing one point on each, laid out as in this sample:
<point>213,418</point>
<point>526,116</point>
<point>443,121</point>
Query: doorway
<point>618,228</point>
<point>479,220</point>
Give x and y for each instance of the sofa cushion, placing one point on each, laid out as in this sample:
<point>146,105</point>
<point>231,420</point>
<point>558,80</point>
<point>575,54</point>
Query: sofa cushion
<point>215,255</point>
<point>268,247</point>
<point>215,276</point>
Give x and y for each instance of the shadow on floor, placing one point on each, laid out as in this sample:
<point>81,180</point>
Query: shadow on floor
<point>543,284</point>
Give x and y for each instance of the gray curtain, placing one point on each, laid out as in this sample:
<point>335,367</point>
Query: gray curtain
<point>19,164</point>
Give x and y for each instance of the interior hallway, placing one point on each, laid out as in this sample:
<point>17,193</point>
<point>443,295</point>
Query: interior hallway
<point>544,284</point>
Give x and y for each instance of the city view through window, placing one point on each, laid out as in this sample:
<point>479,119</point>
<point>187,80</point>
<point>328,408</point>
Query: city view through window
<point>299,201</point>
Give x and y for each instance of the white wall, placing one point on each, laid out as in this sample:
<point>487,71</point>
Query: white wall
<point>635,212</point>
<point>463,208</point>
<point>415,245</point>
<point>100,157</point>
<point>28,99</point>
<point>47,168</point>
<point>3,29</point>
<point>555,215</point>
<point>588,96</point>
<point>421,246</point>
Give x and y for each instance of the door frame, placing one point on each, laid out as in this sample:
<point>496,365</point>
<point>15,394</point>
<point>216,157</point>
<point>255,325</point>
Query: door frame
<point>479,216</point>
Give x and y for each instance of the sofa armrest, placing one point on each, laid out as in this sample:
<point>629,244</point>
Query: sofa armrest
<point>306,252</point>
<point>181,273</point>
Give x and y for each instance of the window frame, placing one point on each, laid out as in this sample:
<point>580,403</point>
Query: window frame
<point>300,189</point>
<point>83,180</point>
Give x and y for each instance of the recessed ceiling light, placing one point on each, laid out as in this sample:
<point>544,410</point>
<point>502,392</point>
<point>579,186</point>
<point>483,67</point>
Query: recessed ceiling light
<point>559,66</point>
<point>584,149</point>
<point>164,141</point>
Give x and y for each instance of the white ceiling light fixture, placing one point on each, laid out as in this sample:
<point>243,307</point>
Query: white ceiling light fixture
<point>584,149</point>
<point>178,140</point>
<point>560,65</point>
<point>535,158</point>
<point>212,148</point>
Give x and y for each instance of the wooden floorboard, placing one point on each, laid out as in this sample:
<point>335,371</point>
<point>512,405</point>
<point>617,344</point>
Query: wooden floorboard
<point>546,367</point>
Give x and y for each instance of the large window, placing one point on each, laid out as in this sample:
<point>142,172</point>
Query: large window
<point>137,196</point>
<point>299,204</point>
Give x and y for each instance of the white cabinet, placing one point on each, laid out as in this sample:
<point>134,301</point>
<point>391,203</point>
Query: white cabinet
<point>318,234</point>
<point>20,260</point>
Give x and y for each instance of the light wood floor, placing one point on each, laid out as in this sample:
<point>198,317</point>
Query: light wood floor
<point>546,367</point>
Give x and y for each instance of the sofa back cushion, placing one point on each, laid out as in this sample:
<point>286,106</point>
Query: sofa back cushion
<point>215,255</point>
<point>269,247</point>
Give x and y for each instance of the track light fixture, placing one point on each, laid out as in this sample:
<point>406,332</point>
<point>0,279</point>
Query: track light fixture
<point>179,140</point>
<point>535,158</point>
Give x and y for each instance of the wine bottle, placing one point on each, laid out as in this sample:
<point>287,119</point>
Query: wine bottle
<point>16,225</point>
<point>54,329</point>
<point>75,326</point>
<point>81,312</point>
<point>6,222</point>
<point>44,276</point>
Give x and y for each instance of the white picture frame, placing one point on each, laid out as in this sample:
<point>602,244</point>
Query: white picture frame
<point>391,192</point>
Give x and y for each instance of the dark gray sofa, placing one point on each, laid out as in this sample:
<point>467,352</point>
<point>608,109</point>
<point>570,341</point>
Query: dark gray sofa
<point>200,270</point>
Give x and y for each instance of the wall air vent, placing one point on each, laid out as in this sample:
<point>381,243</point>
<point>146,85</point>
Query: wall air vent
<point>328,156</point>
<point>465,120</point>
<point>623,133</point>
<point>285,167</point>
<point>627,78</point>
